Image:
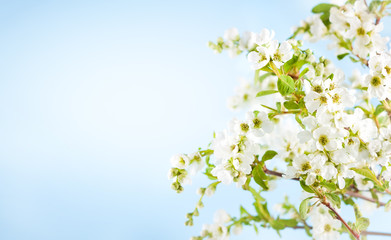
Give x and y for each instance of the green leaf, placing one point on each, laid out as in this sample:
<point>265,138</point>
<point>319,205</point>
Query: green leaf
<point>277,225</point>
<point>298,120</point>
<point>285,85</point>
<point>387,207</point>
<point>259,176</point>
<point>379,109</point>
<point>255,228</point>
<point>342,56</point>
<point>243,211</point>
<point>329,185</point>
<point>366,172</point>
<point>291,105</point>
<point>256,195</point>
<point>354,60</point>
<point>303,209</point>
<point>323,7</point>
<point>334,199</point>
<point>278,106</point>
<point>303,72</point>
<point>267,69</point>
<point>362,223</point>
<point>289,64</point>
<point>325,19</point>
<point>289,222</point>
<point>348,201</point>
<point>269,154</point>
<point>266,92</point>
<point>374,4</point>
<point>209,174</point>
<point>305,187</point>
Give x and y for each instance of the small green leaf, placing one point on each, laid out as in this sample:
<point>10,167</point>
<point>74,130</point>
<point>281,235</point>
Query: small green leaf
<point>285,85</point>
<point>323,7</point>
<point>277,225</point>
<point>266,92</point>
<point>267,69</point>
<point>325,19</point>
<point>243,211</point>
<point>334,199</point>
<point>387,207</point>
<point>366,172</point>
<point>289,222</point>
<point>329,185</point>
<point>289,64</point>
<point>255,228</point>
<point>379,109</point>
<point>278,106</point>
<point>209,174</point>
<point>259,177</point>
<point>305,187</point>
<point>362,223</point>
<point>303,72</point>
<point>291,105</point>
<point>303,209</point>
<point>298,120</point>
<point>269,154</point>
<point>342,56</point>
<point>374,4</point>
<point>354,60</point>
<point>258,198</point>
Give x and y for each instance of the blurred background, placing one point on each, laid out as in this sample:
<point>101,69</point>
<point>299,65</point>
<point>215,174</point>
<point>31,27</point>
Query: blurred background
<point>95,97</point>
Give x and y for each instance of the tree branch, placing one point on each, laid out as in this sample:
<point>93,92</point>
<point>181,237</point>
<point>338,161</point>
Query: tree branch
<point>366,233</point>
<point>355,234</point>
<point>350,193</point>
<point>357,195</point>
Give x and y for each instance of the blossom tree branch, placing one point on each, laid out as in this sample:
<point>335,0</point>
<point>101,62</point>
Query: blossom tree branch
<point>348,192</point>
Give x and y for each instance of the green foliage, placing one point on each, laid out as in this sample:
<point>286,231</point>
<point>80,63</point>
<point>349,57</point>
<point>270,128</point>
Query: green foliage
<point>324,9</point>
<point>362,223</point>
<point>304,208</point>
<point>291,105</point>
<point>368,173</point>
<point>266,92</point>
<point>305,187</point>
<point>329,185</point>
<point>334,199</point>
<point>379,109</point>
<point>260,176</point>
<point>285,85</point>
<point>342,56</point>
<point>269,154</point>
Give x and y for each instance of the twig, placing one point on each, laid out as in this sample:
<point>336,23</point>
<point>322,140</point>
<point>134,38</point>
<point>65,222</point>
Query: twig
<point>362,233</point>
<point>350,193</point>
<point>355,234</point>
<point>383,6</point>
<point>357,195</point>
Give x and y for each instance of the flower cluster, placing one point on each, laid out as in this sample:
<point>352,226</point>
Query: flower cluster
<point>183,165</point>
<point>236,148</point>
<point>331,135</point>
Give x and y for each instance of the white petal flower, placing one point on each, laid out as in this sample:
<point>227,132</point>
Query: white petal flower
<point>325,138</point>
<point>180,161</point>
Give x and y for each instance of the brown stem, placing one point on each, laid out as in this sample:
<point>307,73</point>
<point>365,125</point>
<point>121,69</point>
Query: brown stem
<point>357,195</point>
<point>375,233</point>
<point>362,233</point>
<point>356,235</point>
<point>350,193</point>
<point>383,6</point>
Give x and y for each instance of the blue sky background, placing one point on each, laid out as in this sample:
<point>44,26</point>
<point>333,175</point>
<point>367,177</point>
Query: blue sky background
<point>95,97</point>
